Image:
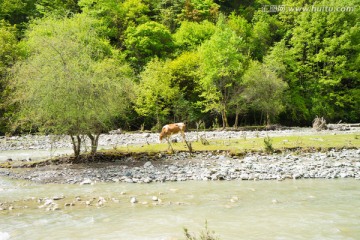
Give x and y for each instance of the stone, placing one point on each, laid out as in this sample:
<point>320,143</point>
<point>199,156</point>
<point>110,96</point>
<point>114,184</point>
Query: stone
<point>297,176</point>
<point>148,164</point>
<point>48,202</point>
<point>58,198</point>
<point>147,180</point>
<point>86,181</point>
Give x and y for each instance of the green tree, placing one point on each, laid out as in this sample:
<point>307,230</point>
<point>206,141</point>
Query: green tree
<point>167,12</point>
<point>8,47</point>
<point>265,31</point>
<point>281,61</point>
<point>117,15</point>
<point>185,74</point>
<point>155,94</point>
<point>8,55</point>
<point>147,41</point>
<point>60,7</point>
<point>199,10</point>
<point>71,82</point>
<point>190,35</point>
<point>17,11</point>
<point>263,90</point>
<point>325,46</point>
<point>222,63</point>
<point>240,26</point>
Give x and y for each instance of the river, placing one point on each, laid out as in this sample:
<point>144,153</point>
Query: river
<point>290,209</point>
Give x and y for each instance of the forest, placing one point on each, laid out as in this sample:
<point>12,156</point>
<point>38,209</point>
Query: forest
<point>89,66</point>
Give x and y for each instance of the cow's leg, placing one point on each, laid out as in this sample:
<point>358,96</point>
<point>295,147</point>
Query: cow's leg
<point>183,136</point>
<point>169,146</point>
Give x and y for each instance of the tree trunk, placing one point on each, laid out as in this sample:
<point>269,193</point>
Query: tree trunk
<point>267,119</point>
<point>76,142</point>
<point>224,119</point>
<point>236,119</point>
<point>158,124</point>
<point>94,142</point>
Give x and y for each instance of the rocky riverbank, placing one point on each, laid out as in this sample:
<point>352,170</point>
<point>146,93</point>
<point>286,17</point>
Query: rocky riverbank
<point>203,166</point>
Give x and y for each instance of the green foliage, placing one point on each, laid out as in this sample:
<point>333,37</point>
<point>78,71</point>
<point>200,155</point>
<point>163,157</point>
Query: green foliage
<point>241,26</point>
<point>280,60</point>
<point>155,94</point>
<point>72,81</point>
<point>147,41</point>
<point>315,52</point>
<point>268,145</point>
<point>190,35</point>
<point>117,15</point>
<point>222,65</point>
<point>17,11</point>
<point>9,53</point>
<point>8,47</point>
<point>264,33</point>
<point>60,7</point>
<point>199,10</point>
<point>325,46</point>
<point>169,12</point>
<point>263,90</point>
<point>185,74</point>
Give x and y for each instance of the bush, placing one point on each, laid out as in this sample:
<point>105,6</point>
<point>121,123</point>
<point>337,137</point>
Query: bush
<point>268,145</point>
<point>319,124</point>
<point>206,234</point>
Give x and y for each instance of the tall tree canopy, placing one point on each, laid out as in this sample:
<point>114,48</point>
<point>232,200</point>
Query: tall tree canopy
<point>8,55</point>
<point>325,47</point>
<point>201,48</point>
<point>71,81</point>
<point>147,41</point>
<point>222,62</point>
<point>155,92</point>
<point>263,90</point>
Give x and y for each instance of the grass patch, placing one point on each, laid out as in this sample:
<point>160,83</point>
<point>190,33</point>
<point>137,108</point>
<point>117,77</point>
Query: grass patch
<point>235,147</point>
<point>241,145</point>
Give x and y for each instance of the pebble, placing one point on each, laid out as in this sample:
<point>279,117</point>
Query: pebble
<point>251,167</point>
<point>86,182</point>
<point>133,200</point>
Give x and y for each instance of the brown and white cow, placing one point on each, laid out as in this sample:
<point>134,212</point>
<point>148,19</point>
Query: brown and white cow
<point>173,128</point>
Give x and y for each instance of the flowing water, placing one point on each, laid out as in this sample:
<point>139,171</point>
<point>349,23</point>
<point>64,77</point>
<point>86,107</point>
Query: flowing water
<point>301,209</point>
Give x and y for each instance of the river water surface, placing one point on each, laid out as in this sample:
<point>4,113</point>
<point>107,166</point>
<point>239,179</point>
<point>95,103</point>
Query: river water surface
<point>291,209</point>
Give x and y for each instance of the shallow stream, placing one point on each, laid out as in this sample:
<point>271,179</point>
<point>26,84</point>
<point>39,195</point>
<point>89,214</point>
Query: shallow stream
<point>291,209</point>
